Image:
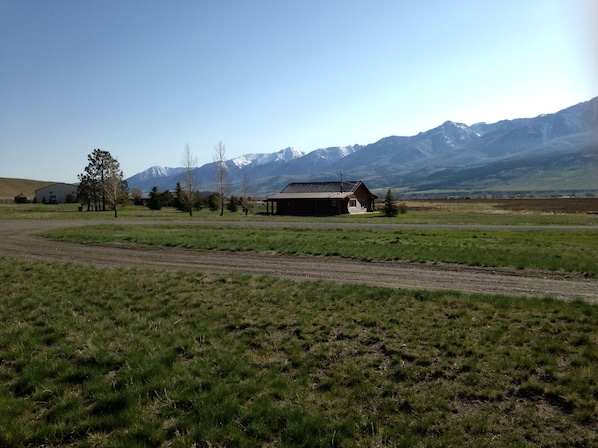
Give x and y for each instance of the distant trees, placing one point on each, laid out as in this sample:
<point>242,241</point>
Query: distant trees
<point>102,182</point>
<point>158,199</point>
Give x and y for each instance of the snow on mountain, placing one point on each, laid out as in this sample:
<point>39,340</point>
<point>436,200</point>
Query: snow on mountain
<point>157,171</point>
<point>450,146</point>
<point>284,155</point>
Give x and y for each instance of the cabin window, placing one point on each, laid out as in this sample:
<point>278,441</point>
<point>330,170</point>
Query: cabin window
<point>352,202</point>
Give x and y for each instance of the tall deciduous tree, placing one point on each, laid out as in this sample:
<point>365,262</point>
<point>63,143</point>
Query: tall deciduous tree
<point>115,186</point>
<point>190,183</point>
<point>246,198</point>
<point>222,182</point>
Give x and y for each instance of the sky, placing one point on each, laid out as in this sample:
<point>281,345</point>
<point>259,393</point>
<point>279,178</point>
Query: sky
<point>142,79</point>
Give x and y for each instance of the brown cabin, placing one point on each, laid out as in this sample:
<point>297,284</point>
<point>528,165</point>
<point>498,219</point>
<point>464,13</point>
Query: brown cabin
<point>322,198</point>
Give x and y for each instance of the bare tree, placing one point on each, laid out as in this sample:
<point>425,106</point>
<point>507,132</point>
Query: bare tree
<point>115,187</point>
<point>136,193</point>
<point>190,182</point>
<point>247,197</point>
<point>222,182</point>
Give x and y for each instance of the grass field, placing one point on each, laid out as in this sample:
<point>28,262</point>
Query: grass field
<point>115,357</point>
<point>539,249</point>
<point>420,212</point>
<point>100,357</point>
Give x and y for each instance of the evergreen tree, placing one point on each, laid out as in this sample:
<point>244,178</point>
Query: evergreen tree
<point>390,205</point>
<point>155,199</point>
<point>213,202</point>
<point>233,204</point>
<point>102,181</point>
<point>167,198</point>
<point>178,198</point>
<point>197,200</point>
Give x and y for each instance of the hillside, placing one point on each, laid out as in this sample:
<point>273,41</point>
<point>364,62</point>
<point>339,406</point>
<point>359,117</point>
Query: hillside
<point>550,154</point>
<point>9,187</point>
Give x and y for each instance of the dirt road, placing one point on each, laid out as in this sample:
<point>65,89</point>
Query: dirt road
<point>18,240</point>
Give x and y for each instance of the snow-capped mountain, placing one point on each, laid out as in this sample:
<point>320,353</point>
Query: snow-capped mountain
<point>559,151</point>
<point>154,172</point>
<point>284,155</point>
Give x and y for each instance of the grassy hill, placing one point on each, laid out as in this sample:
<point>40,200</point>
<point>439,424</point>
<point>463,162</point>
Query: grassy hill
<point>9,187</point>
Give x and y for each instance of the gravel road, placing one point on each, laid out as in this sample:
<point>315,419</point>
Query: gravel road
<point>18,240</point>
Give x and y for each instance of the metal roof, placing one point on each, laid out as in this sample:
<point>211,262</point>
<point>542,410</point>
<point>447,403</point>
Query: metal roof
<point>318,190</point>
<point>321,187</point>
<point>307,195</point>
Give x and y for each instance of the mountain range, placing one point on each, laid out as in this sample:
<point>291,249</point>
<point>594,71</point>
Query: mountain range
<point>553,153</point>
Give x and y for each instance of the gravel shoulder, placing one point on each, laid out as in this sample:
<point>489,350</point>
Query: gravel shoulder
<point>18,240</point>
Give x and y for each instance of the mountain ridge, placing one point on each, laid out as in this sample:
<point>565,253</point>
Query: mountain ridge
<point>405,163</point>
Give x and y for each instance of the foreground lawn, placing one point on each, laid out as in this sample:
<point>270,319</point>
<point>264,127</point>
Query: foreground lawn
<point>557,250</point>
<point>93,357</point>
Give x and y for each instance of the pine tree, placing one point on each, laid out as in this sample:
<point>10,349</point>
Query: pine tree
<point>213,202</point>
<point>102,181</point>
<point>155,199</point>
<point>390,206</point>
<point>233,204</point>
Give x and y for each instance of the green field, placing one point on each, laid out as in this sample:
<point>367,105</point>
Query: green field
<point>131,357</point>
<point>571,251</point>
<point>435,213</point>
<point>101,357</point>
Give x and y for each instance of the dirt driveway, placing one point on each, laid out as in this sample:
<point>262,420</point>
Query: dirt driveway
<point>18,240</point>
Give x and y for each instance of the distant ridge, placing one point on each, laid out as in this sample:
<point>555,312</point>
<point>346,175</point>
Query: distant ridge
<point>548,154</point>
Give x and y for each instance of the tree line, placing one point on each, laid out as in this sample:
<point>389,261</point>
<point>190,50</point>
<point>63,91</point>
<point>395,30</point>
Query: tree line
<point>187,196</point>
<point>102,185</point>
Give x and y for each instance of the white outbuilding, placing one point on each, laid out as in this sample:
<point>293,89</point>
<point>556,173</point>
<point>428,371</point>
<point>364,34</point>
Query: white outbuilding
<point>55,193</point>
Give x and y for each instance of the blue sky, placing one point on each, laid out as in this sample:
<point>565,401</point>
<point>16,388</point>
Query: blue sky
<point>143,78</point>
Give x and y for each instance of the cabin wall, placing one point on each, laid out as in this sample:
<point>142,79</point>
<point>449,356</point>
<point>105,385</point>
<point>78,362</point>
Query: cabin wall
<point>310,207</point>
